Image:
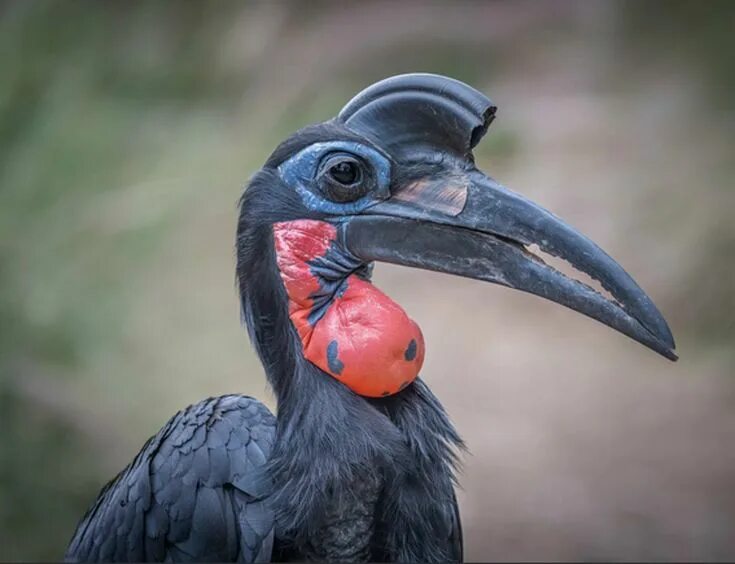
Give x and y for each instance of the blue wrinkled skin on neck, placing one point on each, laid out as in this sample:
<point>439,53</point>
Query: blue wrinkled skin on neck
<point>300,172</point>
<point>333,270</point>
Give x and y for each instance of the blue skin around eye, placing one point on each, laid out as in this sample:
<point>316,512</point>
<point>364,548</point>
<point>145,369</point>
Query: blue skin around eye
<point>300,171</point>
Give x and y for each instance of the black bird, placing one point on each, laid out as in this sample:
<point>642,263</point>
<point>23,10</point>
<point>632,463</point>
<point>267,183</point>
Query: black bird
<point>360,463</point>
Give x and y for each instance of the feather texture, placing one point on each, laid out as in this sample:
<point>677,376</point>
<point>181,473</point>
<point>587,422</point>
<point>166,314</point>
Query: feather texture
<point>179,500</point>
<point>338,477</point>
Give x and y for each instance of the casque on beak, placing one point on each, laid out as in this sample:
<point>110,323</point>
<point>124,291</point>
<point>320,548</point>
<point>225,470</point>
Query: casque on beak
<point>450,217</point>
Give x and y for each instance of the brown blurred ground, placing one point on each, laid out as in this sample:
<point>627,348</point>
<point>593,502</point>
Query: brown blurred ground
<point>127,133</point>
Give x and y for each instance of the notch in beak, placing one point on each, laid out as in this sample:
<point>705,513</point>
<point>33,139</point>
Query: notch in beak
<point>464,223</point>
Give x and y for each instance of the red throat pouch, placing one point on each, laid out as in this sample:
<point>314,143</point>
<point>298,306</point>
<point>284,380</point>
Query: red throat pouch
<point>348,328</point>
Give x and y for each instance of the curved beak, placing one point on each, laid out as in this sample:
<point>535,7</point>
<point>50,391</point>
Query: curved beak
<point>464,223</point>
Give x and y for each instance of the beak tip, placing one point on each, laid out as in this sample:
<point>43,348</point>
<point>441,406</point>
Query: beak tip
<point>665,346</point>
<point>668,336</point>
<point>665,338</point>
<point>661,340</point>
<point>671,355</point>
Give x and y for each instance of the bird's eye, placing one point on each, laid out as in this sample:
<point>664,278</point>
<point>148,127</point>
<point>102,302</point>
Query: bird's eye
<point>345,172</point>
<point>344,178</point>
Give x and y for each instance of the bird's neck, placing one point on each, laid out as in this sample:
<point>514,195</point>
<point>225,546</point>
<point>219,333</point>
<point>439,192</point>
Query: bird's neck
<point>330,439</point>
<point>347,327</point>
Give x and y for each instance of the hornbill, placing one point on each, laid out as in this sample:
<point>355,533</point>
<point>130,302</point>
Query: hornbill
<point>360,463</point>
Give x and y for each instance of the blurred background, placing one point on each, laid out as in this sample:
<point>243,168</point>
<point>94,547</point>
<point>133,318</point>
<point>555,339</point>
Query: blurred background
<point>127,131</point>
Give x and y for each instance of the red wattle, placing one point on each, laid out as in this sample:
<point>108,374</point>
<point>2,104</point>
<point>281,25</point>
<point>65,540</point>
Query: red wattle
<point>364,339</point>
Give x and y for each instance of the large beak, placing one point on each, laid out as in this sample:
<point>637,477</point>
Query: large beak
<point>465,223</point>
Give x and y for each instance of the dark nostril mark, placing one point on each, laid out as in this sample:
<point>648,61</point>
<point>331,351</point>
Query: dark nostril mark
<point>335,364</point>
<point>410,353</point>
<point>386,394</point>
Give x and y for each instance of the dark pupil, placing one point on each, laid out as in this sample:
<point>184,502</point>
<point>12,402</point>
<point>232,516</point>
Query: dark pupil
<point>344,172</point>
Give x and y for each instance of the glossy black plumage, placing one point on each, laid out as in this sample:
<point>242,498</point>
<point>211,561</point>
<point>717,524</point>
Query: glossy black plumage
<point>329,438</point>
<point>339,477</point>
<point>307,500</point>
<point>192,493</point>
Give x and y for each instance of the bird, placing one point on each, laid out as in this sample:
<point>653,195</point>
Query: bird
<point>360,463</point>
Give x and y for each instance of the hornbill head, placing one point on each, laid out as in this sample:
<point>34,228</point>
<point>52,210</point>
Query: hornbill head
<point>392,178</point>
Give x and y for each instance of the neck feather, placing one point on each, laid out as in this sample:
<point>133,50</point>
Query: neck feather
<point>329,438</point>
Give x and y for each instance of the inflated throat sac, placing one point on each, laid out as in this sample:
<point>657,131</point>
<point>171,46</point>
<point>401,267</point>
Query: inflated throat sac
<point>348,328</point>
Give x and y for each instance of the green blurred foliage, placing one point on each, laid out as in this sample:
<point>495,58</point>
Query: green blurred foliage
<point>85,87</point>
<point>699,32</point>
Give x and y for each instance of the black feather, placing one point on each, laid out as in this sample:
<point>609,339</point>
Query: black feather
<point>338,477</point>
<point>329,440</point>
<point>155,511</point>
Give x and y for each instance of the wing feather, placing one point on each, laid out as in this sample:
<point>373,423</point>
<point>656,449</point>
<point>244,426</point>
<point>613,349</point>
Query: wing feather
<point>180,499</point>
